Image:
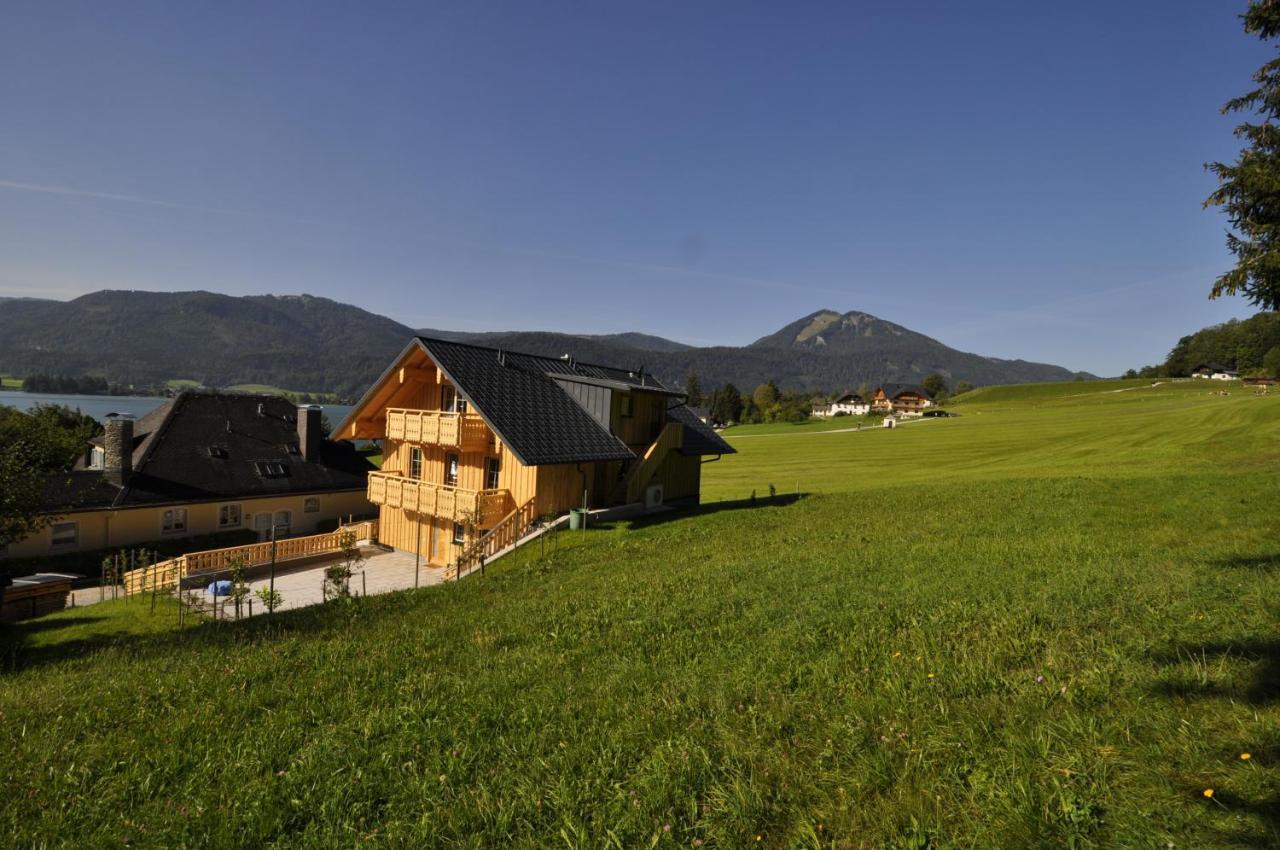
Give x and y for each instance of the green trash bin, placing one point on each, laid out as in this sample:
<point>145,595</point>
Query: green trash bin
<point>577,519</point>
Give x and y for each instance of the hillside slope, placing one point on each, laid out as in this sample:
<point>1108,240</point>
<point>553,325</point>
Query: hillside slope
<point>312,344</point>
<point>1001,656</point>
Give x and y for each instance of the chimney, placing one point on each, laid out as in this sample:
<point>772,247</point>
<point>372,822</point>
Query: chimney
<point>309,435</point>
<point>118,447</point>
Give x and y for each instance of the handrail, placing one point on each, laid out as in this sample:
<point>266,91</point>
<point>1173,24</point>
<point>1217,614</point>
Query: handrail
<point>165,574</point>
<point>438,427</point>
<point>442,500</point>
<point>508,531</point>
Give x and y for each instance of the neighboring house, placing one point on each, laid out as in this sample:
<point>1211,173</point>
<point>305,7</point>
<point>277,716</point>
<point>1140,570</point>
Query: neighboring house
<point>900,400</point>
<point>201,463</point>
<point>1212,371</point>
<point>852,404</point>
<point>702,413</point>
<point>474,436</point>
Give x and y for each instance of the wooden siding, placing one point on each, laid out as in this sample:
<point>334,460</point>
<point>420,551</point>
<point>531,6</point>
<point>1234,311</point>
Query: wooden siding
<point>680,476</point>
<point>648,415</point>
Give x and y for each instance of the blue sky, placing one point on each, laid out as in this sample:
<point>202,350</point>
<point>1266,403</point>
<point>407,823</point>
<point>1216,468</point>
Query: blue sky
<point>1018,179</point>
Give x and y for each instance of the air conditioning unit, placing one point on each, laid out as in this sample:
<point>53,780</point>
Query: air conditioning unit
<point>653,496</point>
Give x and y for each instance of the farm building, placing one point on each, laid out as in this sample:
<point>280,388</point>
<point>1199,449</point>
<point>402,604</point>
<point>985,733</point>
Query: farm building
<point>1214,372</point>
<point>901,399</point>
<point>849,403</point>
<point>201,463</point>
<point>481,439</point>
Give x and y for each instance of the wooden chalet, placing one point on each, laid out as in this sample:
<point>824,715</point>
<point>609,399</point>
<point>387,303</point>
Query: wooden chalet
<point>900,400</point>
<point>479,441</point>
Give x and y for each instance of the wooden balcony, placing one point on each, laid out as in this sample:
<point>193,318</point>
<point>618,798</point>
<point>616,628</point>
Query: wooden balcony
<point>462,431</point>
<point>487,507</point>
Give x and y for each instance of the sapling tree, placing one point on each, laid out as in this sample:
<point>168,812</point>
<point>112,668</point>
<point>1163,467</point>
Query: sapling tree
<point>337,576</point>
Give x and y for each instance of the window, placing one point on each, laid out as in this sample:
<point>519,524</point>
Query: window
<point>415,462</point>
<point>450,401</point>
<point>64,535</point>
<point>459,534</point>
<point>97,458</point>
<point>451,470</point>
<point>271,469</point>
<point>229,516</point>
<point>283,520</point>
<point>311,505</point>
<point>174,521</point>
<point>492,466</point>
<point>626,405</point>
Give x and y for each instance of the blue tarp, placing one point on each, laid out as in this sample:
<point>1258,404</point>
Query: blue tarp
<point>219,588</point>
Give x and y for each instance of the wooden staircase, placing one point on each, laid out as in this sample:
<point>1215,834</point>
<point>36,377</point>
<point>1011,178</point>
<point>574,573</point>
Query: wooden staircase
<point>631,488</point>
<point>517,527</point>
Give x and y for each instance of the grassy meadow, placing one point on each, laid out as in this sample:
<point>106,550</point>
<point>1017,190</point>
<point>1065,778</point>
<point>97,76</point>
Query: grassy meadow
<point>1050,622</point>
<point>7,383</point>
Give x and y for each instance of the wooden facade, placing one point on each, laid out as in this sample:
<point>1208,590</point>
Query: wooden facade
<point>447,476</point>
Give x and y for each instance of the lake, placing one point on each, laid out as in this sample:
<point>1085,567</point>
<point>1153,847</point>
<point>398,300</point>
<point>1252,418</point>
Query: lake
<point>98,406</point>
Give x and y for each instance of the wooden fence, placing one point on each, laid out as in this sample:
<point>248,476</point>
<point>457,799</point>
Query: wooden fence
<point>166,574</point>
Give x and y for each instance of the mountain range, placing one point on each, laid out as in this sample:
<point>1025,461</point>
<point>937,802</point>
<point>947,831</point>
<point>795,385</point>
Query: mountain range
<point>311,344</point>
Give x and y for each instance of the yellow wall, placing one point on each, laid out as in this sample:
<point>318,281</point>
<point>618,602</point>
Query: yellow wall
<point>128,527</point>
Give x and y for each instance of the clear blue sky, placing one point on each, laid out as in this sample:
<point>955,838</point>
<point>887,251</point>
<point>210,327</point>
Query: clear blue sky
<point>1018,179</point>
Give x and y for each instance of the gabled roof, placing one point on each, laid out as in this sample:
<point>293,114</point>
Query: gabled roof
<point>848,398</point>
<point>894,390</point>
<point>1211,367</point>
<point>699,439</point>
<point>172,461</point>
<point>521,398</point>
<point>528,410</point>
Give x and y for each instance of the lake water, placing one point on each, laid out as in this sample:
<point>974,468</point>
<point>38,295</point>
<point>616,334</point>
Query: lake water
<point>98,406</point>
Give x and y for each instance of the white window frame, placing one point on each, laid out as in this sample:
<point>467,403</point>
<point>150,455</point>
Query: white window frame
<point>224,516</point>
<point>311,505</point>
<point>97,458</point>
<point>452,469</point>
<point>459,534</point>
<point>173,521</point>
<point>415,462</point>
<point>72,543</point>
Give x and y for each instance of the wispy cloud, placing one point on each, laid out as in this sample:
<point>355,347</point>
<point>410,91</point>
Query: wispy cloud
<point>68,192</point>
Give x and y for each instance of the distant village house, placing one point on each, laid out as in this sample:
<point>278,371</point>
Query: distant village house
<point>851,404</point>
<point>900,400</point>
<point>1214,372</point>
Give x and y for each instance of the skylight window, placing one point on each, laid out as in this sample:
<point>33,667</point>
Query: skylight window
<point>271,469</point>
<point>219,452</point>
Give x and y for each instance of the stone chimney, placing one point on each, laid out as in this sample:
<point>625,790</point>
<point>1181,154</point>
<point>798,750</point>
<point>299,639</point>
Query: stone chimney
<point>118,447</point>
<point>309,432</point>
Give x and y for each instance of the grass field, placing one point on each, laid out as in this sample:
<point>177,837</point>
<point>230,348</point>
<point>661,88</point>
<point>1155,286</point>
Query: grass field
<point>1051,622</point>
<point>7,383</point>
<point>182,384</point>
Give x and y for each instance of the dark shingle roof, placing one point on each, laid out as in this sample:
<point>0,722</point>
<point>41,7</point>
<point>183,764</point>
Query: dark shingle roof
<point>172,461</point>
<point>895,390</point>
<point>537,419</point>
<point>699,438</point>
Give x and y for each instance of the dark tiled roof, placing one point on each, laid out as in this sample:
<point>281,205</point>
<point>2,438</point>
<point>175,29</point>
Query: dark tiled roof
<point>537,419</point>
<point>172,461</point>
<point>699,438</point>
<point>894,390</point>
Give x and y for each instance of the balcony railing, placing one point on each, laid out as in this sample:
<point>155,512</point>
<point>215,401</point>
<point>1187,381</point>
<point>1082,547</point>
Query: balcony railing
<point>485,507</point>
<point>464,431</point>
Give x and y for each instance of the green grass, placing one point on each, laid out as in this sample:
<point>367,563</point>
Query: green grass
<point>7,383</point>
<point>1051,622</point>
<point>182,384</point>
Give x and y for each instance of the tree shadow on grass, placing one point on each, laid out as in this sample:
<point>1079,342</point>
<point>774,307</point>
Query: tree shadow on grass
<point>1264,563</point>
<point>18,653</point>
<point>48,624</point>
<point>1261,689</point>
